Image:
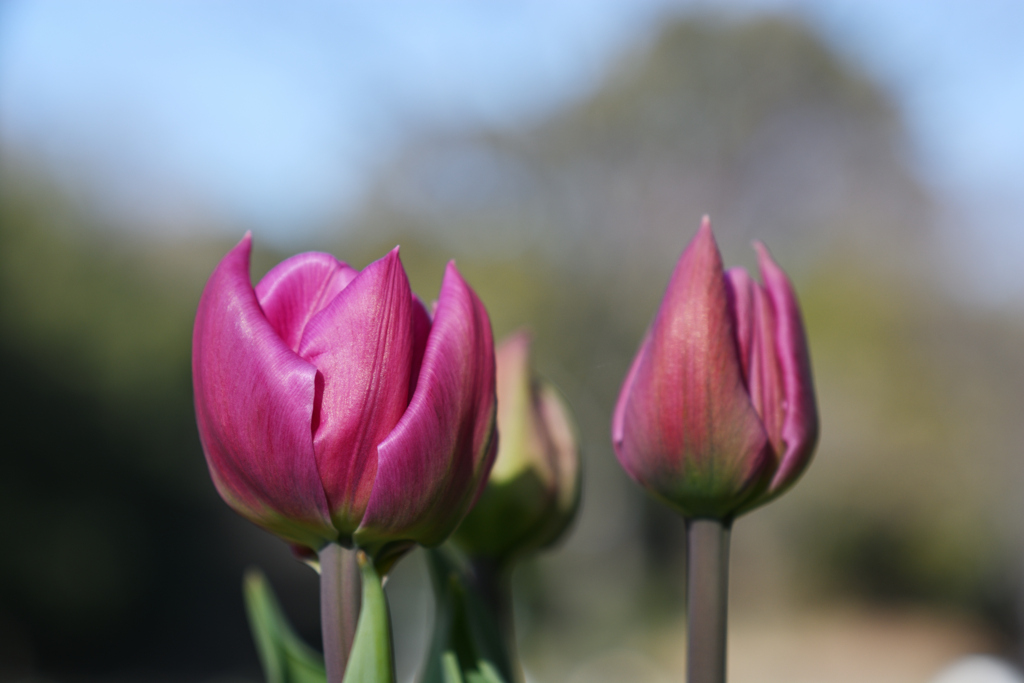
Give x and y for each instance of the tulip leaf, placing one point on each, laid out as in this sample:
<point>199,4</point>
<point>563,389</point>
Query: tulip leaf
<point>450,668</point>
<point>486,674</point>
<point>285,658</point>
<point>468,645</point>
<point>371,660</point>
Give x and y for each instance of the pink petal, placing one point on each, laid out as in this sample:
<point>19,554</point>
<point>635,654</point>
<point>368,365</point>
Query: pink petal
<point>765,384</point>
<point>362,345</point>
<point>421,324</point>
<point>435,462</point>
<point>297,289</point>
<point>254,401</point>
<point>689,430</point>
<point>527,441</point>
<point>513,372</point>
<point>754,318</point>
<point>561,429</point>
<point>800,428</point>
<point>740,290</point>
<point>524,441</point>
<point>619,416</point>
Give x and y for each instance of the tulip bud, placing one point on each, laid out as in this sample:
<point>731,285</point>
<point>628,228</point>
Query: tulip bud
<point>534,487</point>
<point>333,408</point>
<point>717,413</point>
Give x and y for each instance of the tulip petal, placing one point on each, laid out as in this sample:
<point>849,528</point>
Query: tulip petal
<point>740,291</point>
<point>689,430</point>
<point>619,415</point>
<point>421,324</point>
<point>297,289</point>
<point>254,401</point>
<point>435,462</point>
<point>520,435</point>
<point>754,317</point>
<point>766,386</point>
<point>521,494</point>
<point>362,346</point>
<point>561,430</point>
<point>800,428</point>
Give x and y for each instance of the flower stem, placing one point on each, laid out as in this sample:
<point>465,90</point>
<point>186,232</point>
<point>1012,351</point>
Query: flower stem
<point>493,582</point>
<point>707,586</point>
<point>340,598</point>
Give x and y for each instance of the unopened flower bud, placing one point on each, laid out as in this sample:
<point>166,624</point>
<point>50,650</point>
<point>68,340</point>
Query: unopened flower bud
<point>534,487</point>
<point>717,414</point>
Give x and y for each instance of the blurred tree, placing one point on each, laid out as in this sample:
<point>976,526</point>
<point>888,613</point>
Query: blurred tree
<point>114,556</point>
<point>756,123</point>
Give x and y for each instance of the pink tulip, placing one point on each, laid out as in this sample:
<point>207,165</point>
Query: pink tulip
<point>717,414</point>
<point>331,405</point>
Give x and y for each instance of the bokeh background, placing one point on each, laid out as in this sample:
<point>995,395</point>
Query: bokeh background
<point>563,153</point>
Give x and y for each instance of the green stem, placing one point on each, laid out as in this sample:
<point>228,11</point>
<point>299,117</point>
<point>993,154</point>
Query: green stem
<point>707,586</point>
<point>493,582</point>
<point>340,598</point>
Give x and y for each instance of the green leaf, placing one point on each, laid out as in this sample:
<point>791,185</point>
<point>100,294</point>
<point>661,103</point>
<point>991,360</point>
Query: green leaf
<point>285,658</point>
<point>488,674</point>
<point>450,667</point>
<point>371,660</point>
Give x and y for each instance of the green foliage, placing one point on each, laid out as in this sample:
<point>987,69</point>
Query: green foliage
<point>285,658</point>
<point>468,644</point>
<point>913,493</point>
<point>101,459</point>
<point>371,660</point>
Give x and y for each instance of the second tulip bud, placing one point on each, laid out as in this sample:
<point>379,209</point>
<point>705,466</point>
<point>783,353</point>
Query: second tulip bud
<point>534,487</point>
<point>717,414</point>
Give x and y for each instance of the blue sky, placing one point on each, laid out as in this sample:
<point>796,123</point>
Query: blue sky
<point>274,113</point>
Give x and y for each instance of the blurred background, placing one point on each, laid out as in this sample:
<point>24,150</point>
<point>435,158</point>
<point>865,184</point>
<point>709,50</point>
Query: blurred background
<point>563,153</point>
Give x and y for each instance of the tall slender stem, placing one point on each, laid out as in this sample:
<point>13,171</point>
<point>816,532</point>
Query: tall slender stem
<point>494,584</point>
<point>340,598</point>
<point>707,588</point>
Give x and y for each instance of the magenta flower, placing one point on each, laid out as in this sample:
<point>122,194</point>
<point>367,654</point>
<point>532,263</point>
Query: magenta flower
<point>332,407</point>
<point>717,414</point>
